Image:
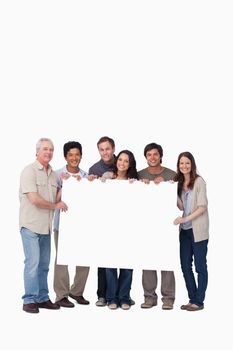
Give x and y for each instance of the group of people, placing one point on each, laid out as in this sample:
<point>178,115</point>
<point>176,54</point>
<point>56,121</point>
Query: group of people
<point>41,194</point>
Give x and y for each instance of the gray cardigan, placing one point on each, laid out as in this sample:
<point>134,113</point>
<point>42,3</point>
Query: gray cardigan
<point>199,199</point>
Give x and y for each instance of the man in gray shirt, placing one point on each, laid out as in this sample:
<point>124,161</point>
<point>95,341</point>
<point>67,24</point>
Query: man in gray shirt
<point>157,173</point>
<point>106,148</point>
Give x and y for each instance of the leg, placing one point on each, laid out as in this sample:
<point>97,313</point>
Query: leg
<point>200,253</point>
<point>43,268</point>
<point>167,289</point>
<point>80,280</point>
<point>112,286</point>
<point>61,281</point>
<point>186,260</point>
<point>168,285</point>
<point>31,249</point>
<point>149,283</point>
<point>101,291</point>
<point>124,286</point>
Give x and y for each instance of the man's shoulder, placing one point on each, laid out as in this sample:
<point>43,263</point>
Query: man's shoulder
<point>30,168</point>
<point>169,173</point>
<point>142,171</point>
<point>95,168</point>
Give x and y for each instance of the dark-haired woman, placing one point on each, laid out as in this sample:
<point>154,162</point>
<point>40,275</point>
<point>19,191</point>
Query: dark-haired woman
<point>118,287</point>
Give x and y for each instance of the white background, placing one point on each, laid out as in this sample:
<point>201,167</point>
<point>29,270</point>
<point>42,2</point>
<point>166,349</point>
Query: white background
<point>139,72</point>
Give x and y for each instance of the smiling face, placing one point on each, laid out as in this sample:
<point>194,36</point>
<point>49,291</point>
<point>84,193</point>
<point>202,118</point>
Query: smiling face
<point>123,162</point>
<point>185,165</point>
<point>106,152</point>
<point>73,158</point>
<point>45,153</point>
<point>153,158</point>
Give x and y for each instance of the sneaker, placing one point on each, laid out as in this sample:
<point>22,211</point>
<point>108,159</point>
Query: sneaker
<point>149,303</point>
<point>112,306</point>
<point>167,304</point>
<point>101,302</point>
<point>132,302</point>
<point>125,306</point>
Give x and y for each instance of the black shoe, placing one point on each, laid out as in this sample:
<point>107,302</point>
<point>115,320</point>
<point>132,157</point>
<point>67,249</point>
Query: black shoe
<point>32,308</point>
<point>80,299</point>
<point>48,305</point>
<point>64,302</point>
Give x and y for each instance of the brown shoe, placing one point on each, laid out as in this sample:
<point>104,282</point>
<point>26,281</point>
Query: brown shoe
<point>184,307</point>
<point>48,305</point>
<point>195,307</point>
<point>31,308</point>
<point>80,299</point>
<point>64,302</point>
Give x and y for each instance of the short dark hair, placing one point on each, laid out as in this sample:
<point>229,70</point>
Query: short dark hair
<point>154,145</point>
<point>71,144</point>
<point>106,139</point>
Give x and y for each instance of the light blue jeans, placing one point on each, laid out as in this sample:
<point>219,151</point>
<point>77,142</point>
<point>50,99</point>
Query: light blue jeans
<point>37,250</point>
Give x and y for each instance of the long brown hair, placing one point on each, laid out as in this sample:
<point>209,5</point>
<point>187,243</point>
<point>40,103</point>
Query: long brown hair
<point>180,177</point>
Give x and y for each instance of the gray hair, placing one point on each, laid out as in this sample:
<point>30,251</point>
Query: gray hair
<point>42,139</point>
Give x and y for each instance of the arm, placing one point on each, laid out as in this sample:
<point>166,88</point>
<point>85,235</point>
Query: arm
<point>181,220</point>
<point>41,203</point>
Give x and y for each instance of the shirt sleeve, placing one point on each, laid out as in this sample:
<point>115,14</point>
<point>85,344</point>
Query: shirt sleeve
<point>28,180</point>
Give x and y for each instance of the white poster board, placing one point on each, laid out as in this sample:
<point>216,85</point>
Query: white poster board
<point>119,224</point>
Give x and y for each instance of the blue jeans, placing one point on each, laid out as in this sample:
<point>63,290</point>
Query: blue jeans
<point>36,265</point>
<point>190,250</point>
<point>118,288</point>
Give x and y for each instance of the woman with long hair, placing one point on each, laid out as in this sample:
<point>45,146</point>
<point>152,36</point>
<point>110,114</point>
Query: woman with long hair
<point>118,287</point>
<point>194,229</point>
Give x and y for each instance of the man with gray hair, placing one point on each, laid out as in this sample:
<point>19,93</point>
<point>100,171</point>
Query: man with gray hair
<point>38,198</point>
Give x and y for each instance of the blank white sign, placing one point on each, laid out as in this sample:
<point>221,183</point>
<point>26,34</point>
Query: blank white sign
<point>119,224</point>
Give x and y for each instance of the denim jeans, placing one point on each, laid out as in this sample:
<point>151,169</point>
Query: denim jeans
<point>197,251</point>
<point>36,265</point>
<point>101,291</point>
<point>118,288</point>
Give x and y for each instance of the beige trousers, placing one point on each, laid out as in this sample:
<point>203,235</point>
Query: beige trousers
<point>150,281</point>
<point>61,282</point>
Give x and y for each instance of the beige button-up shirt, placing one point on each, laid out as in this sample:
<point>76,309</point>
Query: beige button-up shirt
<point>34,178</point>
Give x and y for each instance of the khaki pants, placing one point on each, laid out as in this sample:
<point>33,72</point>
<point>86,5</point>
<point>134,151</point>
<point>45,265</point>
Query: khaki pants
<point>61,282</point>
<point>150,281</point>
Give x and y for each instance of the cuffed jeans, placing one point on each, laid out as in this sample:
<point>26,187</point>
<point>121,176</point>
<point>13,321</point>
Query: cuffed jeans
<point>190,250</point>
<point>37,248</point>
<point>118,288</point>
